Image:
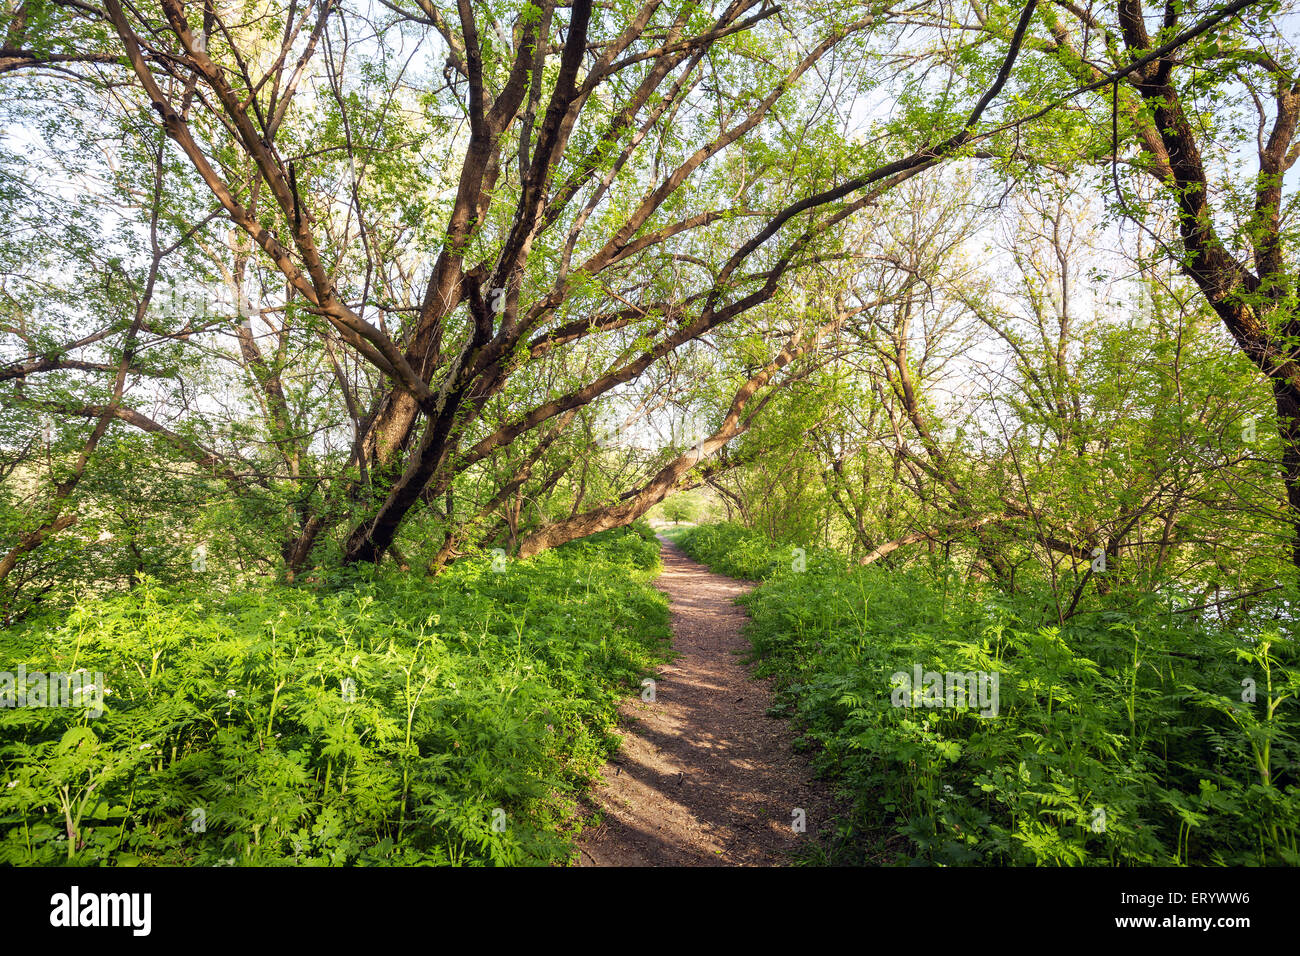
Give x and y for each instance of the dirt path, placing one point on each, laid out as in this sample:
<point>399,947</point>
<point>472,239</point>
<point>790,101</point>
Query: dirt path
<point>704,776</point>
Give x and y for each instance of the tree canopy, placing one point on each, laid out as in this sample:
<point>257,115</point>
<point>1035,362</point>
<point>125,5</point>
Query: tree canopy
<point>315,283</point>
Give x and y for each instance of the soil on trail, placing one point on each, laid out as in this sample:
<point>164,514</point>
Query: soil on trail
<point>704,777</point>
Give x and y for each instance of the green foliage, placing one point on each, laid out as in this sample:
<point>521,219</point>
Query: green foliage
<point>678,508</point>
<point>227,736</point>
<point>743,553</point>
<point>634,546</point>
<point>1121,736</point>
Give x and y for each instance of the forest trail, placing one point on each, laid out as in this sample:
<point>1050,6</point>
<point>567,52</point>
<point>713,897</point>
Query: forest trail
<point>704,776</point>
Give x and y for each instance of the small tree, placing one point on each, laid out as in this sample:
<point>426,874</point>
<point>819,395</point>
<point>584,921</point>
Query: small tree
<point>677,509</point>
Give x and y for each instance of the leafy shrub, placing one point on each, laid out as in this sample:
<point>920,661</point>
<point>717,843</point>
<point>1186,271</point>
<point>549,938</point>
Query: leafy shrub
<point>1121,737</point>
<point>483,703</point>
<point>739,552</point>
<point>634,546</point>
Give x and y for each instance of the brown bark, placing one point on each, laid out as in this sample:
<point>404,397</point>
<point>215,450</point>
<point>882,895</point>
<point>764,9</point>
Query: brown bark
<point>438,390</point>
<point>1252,305</point>
<point>668,478</point>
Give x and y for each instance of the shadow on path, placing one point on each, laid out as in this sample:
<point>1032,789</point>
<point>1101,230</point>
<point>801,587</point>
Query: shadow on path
<point>704,777</point>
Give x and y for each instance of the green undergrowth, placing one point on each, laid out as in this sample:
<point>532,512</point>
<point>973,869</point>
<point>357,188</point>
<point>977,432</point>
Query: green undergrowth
<point>373,719</point>
<point>739,552</point>
<point>1126,736</point>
